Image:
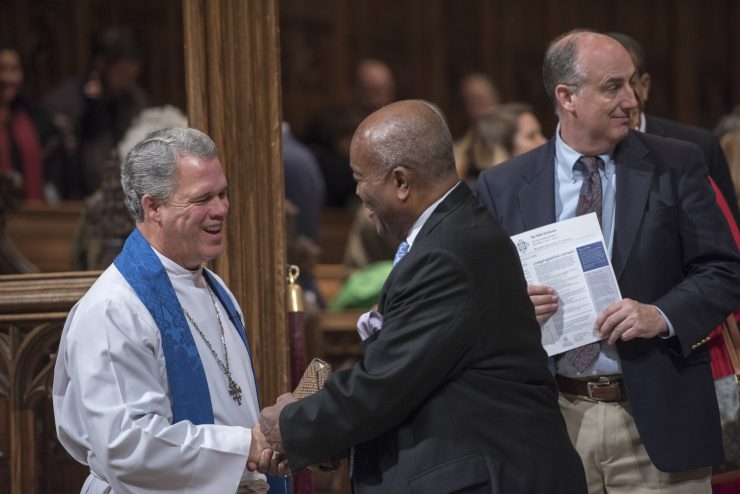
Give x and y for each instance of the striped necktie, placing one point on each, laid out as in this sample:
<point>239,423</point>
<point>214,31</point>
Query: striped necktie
<point>589,201</point>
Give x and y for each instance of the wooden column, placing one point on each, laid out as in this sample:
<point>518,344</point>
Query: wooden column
<point>232,78</point>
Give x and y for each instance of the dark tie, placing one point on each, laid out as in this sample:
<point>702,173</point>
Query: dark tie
<point>590,198</point>
<point>589,201</point>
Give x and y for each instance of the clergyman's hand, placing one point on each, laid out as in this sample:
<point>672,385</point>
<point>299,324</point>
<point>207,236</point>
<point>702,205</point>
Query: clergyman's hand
<point>260,454</point>
<point>545,301</point>
<point>263,459</point>
<point>270,422</point>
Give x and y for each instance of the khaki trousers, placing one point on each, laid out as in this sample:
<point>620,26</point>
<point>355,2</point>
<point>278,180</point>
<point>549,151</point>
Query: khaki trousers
<point>614,458</point>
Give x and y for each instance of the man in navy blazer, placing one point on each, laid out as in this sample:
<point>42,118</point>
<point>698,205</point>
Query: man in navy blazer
<point>453,393</point>
<point>643,414</point>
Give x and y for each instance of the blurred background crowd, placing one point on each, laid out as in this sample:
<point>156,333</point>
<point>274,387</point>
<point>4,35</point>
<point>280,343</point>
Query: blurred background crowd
<point>76,76</point>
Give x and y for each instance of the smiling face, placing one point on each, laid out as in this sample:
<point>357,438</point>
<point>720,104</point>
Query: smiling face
<point>189,226</point>
<point>376,190</point>
<point>596,116</point>
<point>401,158</point>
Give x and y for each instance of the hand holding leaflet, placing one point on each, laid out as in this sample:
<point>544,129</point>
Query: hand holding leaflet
<point>570,257</point>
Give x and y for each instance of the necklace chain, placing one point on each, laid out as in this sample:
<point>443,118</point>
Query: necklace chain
<point>235,391</point>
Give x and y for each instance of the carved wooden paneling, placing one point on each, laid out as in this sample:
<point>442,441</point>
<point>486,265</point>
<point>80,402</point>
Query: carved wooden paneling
<point>32,312</point>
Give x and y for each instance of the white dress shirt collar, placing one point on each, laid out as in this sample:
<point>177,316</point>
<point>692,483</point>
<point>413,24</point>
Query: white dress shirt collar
<point>643,122</point>
<point>174,270</point>
<point>425,216</point>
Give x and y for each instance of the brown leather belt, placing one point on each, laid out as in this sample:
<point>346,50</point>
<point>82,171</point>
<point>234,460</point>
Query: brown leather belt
<point>600,389</point>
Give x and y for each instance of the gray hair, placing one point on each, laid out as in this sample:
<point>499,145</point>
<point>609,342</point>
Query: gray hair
<point>150,166</point>
<point>421,142</point>
<point>561,64</point>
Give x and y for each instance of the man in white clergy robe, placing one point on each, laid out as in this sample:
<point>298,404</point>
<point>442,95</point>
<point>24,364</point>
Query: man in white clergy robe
<point>154,388</point>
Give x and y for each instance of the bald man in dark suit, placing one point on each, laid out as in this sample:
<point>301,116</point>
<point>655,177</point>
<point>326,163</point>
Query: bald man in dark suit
<point>453,393</point>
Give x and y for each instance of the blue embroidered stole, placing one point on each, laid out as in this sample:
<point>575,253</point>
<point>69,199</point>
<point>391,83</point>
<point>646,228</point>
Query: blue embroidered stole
<point>142,269</point>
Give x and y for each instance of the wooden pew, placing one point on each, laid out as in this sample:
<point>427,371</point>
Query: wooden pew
<point>329,279</point>
<point>335,225</point>
<point>334,338</point>
<point>45,234</point>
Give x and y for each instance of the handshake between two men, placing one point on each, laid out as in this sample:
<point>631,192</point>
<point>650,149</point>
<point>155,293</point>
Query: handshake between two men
<point>266,454</point>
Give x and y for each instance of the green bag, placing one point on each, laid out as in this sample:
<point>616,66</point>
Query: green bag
<point>362,289</point>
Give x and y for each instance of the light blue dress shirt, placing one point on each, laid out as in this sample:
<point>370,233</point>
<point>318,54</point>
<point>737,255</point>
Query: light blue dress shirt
<point>568,181</point>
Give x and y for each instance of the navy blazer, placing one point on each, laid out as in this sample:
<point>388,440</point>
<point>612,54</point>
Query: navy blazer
<point>714,157</point>
<point>453,394</point>
<point>672,248</point>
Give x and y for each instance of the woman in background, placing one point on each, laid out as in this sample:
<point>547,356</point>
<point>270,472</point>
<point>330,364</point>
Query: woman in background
<point>509,130</point>
<point>21,144</point>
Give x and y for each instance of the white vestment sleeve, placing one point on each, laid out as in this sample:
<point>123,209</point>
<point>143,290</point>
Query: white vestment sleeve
<point>113,411</point>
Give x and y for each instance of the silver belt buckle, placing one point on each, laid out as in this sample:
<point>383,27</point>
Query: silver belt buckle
<point>603,382</point>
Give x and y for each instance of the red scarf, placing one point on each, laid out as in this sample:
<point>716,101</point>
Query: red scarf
<point>26,140</point>
<point>720,360</point>
<point>721,365</point>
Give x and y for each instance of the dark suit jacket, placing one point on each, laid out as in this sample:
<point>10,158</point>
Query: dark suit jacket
<point>714,157</point>
<point>671,248</point>
<point>453,394</point>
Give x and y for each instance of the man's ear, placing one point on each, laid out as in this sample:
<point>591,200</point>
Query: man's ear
<point>400,177</point>
<point>564,95</point>
<point>150,206</point>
